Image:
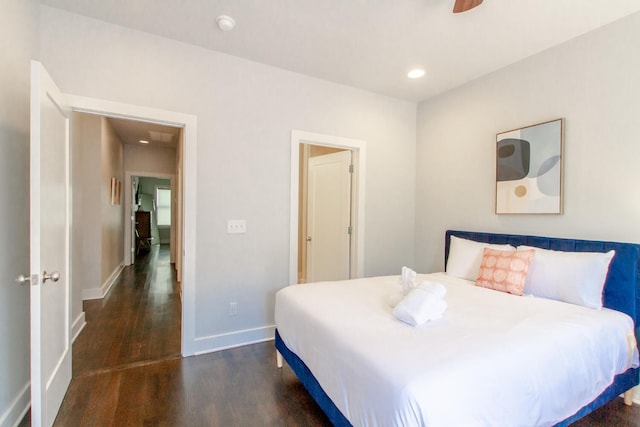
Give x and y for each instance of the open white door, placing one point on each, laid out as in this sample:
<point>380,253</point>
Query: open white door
<point>49,252</point>
<point>329,217</point>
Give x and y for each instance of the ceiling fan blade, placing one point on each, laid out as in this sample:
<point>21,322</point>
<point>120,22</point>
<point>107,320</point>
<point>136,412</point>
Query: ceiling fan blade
<point>464,5</point>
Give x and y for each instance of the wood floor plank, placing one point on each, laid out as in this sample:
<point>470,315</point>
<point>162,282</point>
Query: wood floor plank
<point>127,369</point>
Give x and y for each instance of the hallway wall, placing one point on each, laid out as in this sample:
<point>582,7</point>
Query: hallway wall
<point>158,160</point>
<point>99,224</point>
<point>112,219</point>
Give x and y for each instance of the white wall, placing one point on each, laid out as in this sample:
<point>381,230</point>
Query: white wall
<point>87,219</point>
<point>592,81</point>
<point>18,44</point>
<point>98,225</point>
<point>138,158</point>
<point>112,219</point>
<point>246,112</point>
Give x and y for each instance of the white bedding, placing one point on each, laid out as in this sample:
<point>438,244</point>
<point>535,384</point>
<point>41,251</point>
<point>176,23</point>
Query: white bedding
<point>494,359</point>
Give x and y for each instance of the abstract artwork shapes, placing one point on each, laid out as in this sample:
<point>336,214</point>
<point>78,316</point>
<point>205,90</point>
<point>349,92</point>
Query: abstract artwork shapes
<point>529,169</point>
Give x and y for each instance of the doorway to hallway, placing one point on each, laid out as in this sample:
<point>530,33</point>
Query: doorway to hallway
<point>153,215</point>
<point>185,186</point>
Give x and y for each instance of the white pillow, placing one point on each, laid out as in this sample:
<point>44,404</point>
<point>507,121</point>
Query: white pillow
<point>465,257</point>
<point>574,277</point>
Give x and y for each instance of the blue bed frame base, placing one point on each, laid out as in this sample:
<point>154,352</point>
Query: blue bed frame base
<point>311,384</point>
<point>621,292</point>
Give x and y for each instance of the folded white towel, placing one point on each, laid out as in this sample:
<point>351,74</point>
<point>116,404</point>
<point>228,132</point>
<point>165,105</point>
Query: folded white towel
<point>407,278</point>
<point>425,302</point>
<point>436,289</point>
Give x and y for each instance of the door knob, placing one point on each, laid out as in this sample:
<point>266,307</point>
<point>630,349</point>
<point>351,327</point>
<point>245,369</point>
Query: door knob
<point>22,279</point>
<point>53,276</point>
<point>308,238</point>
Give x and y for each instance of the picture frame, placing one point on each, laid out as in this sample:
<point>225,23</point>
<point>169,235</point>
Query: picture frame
<point>529,169</point>
<point>112,199</point>
<point>116,191</point>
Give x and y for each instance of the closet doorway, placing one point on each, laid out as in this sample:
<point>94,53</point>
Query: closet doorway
<point>324,222</point>
<point>327,207</point>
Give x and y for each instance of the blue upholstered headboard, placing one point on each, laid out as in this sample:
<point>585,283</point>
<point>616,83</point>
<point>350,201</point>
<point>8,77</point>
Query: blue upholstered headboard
<point>622,288</point>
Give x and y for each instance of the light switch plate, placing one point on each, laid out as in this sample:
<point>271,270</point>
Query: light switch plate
<point>236,226</point>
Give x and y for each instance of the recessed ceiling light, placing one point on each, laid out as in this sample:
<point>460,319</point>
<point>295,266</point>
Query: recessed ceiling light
<point>144,141</point>
<point>416,74</point>
<point>225,23</point>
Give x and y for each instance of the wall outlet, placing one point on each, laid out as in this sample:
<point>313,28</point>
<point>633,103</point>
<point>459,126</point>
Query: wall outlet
<point>236,226</point>
<point>233,308</point>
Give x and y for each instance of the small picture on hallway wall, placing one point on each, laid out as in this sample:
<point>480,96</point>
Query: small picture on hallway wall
<point>529,169</point>
<point>116,189</point>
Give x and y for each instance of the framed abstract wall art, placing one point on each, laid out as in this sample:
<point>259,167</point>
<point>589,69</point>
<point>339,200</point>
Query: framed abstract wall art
<point>529,169</point>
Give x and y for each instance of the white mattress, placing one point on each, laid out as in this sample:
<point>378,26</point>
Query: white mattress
<point>494,359</point>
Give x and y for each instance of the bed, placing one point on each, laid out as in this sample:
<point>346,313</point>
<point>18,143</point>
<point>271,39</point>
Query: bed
<point>364,367</point>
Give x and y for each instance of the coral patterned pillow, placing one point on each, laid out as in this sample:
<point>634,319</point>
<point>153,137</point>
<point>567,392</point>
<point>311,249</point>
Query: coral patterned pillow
<point>504,271</point>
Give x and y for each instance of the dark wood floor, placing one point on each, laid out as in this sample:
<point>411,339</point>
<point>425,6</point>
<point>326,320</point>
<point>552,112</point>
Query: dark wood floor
<point>127,369</point>
<point>139,321</point>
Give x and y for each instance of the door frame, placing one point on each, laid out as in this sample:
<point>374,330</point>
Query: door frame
<point>358,148</point>
<point>189,124</point>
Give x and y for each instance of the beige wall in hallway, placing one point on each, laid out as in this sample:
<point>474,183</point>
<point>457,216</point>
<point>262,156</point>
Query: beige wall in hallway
<point>97,158</point>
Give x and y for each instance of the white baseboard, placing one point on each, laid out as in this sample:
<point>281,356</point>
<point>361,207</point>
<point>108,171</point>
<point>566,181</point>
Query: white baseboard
<point>77,326</point>
<point>17,409</point>
<point>98,293</point>
<point>233,339</point>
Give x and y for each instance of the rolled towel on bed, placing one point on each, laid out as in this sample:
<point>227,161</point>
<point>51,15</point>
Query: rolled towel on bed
<point>406,279</point>
<point>425,302</point>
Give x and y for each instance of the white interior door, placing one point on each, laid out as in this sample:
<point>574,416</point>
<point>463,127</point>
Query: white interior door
<point>49,250</point>
<point>329,217</point>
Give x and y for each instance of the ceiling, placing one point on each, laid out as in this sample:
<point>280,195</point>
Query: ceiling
<point>368,44</point>
<point>158,136</point>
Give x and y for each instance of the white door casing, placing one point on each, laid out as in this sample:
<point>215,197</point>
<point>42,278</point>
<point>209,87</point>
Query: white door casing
<point>329,217</point>
<point>50,212</point>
